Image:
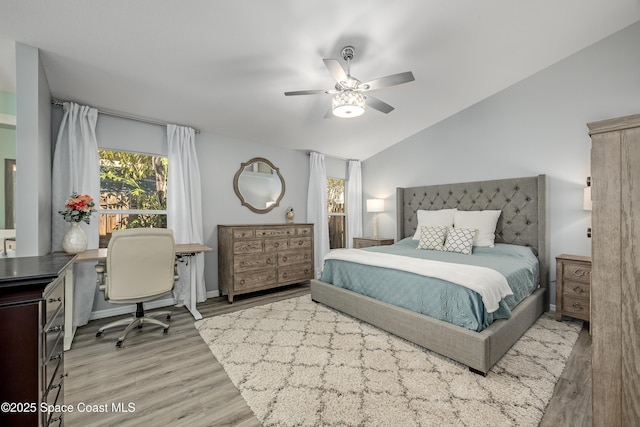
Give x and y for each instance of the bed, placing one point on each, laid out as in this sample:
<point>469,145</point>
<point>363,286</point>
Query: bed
<point>522,222</point>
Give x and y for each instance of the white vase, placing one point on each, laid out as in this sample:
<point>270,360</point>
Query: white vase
<point>75,240</point>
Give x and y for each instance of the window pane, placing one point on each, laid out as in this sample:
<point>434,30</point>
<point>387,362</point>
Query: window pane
<point>335,207</point>
<point>336,231</point>
<point>111,222</point>
<point>335,195</point>
<point>131,182</point>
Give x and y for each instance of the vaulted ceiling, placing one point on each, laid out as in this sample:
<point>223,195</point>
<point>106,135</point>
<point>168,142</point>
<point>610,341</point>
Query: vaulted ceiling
<point>223,66</point>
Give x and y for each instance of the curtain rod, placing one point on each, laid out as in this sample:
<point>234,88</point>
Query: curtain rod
<point>58,103</point>
<point>333,157</point>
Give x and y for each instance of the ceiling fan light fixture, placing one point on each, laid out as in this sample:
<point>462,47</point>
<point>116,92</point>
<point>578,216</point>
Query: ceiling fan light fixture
<point>348,104</point>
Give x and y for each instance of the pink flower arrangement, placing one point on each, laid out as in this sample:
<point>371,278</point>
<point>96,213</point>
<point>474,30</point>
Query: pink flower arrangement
<point>78,208</point>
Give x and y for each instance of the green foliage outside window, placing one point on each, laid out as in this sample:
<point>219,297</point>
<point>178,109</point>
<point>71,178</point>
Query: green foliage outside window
<point>132,181</point>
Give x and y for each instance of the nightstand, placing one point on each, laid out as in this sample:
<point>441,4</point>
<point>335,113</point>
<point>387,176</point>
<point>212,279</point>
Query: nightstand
<point>366,242</point>
<point>573,287</point>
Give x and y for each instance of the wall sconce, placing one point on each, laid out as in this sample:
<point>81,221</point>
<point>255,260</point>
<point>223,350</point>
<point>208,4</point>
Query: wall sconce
<point>375,206</point>
<point>586,201</point>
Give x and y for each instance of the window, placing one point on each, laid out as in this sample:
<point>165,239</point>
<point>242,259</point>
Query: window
<point>336,214</point>
<point>133,192</point>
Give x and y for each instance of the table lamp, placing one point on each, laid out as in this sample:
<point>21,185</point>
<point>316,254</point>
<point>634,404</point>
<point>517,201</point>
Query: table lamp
<point>375,206</point>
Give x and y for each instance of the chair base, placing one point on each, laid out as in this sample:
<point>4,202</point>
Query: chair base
<point>138,320</point>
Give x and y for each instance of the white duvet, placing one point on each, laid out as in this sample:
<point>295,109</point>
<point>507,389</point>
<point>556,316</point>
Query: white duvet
<point>490,284</point>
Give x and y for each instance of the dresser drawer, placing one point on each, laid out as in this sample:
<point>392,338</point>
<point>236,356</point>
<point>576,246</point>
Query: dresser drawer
<point>576,307</point>
<point>53,336</point>
<point>295,273</point>
<point>53,372</point>
<point>577,272</point>
<point>576,289</point>
<point>244,233</point>
<point>53,299</point>
<point>247,246</point>
<point>304,231</point>
<point>253,262</point>
<point>254,279</point>
<point>294,257</point>
<point>275,232</point>
<point>299,242</point>
<point>272,245</point>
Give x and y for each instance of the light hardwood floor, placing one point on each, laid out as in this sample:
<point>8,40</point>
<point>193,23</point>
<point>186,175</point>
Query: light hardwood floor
<point>174,379</point>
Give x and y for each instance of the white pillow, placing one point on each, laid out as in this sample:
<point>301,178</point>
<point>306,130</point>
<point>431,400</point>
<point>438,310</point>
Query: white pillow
<point>459,240</point>
<point>439,218</point>
<point>432,238</point>
<point>483,221</point>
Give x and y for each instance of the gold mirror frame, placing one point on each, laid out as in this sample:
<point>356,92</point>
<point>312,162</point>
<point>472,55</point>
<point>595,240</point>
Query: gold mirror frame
<point>236,185</point>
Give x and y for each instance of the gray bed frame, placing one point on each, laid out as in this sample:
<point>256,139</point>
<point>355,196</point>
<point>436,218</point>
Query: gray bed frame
<point>522,222</point>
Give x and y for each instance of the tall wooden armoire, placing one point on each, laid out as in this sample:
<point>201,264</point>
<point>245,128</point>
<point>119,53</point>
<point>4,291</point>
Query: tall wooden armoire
<point>615,277</point>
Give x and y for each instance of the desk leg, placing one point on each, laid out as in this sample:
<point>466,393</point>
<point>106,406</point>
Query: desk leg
<point>191,305</point>
<point>69,330</point>
<point>193,294</point>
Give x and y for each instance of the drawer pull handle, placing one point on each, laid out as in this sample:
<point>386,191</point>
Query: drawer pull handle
<point>577,290</point>
<point>241,263</point>
<point>52,300</point>
<point>300,243</point>
<point>284,258</point>
<point>284,275</point>
<point>242,282</point>
<point>268,260</point>
<point>276,244</point>
<point>580,272</point>
<point>577,306</point>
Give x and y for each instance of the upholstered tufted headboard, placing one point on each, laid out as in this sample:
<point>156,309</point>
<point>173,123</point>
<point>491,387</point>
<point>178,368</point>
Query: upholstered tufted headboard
<point>522,201</point>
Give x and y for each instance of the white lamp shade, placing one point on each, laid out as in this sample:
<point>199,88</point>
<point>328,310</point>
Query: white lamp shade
<point>348,104</point>
<point>375,205</point>
<point>586,199</point>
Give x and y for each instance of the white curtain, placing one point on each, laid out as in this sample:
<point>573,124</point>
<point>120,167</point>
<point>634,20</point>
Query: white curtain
<point>317,209</point>
<point>184,211</point>
<point>354,201</point>
<point>76,168</point>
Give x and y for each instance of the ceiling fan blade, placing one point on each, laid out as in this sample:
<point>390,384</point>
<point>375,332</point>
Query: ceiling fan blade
<point>305,92</point>
<point>391,80</point>
<point>336,70</point>
<point>379,105</point>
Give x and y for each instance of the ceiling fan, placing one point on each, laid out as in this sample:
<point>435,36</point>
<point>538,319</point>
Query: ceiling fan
<point>348,98</point>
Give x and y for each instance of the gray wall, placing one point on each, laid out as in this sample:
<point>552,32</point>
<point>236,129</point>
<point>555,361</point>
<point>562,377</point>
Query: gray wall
<point>33,138</point>
<point>537,126</point>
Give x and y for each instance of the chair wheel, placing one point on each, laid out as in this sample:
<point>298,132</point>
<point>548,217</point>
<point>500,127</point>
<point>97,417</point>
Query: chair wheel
<point>168,317</point>
<point>140,326</point>
<point>100,333</point>
<point>166,331</point>
<point>120,344</point>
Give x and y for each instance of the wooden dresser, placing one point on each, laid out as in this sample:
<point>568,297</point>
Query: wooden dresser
<point>573,286</point>
<point>256,257</point>
<point>615,282</point>
<point>32,334</point>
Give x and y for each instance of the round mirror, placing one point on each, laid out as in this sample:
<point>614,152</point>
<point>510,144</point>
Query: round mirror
<point>259,185</point>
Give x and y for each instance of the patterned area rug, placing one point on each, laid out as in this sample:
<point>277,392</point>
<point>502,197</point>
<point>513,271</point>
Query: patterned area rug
<point>299,363</point>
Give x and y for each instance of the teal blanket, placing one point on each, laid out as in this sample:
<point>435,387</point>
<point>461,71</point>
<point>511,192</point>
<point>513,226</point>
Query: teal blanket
<point>438,298</point>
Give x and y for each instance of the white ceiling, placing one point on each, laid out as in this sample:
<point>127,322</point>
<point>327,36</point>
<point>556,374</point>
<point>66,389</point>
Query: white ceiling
<point>222,66</point>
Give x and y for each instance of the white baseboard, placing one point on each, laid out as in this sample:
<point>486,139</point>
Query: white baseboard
<point>128,309</point>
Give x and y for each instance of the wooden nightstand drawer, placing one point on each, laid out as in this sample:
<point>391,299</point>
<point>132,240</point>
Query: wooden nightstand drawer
<point>580,272</point>
<point>573,287</point>
<point>576,289</point>
<point>367,242</point>
<point>576,307</point>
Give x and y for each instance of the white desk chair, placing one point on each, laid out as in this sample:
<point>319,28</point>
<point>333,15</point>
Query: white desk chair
<point>140,266</point>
